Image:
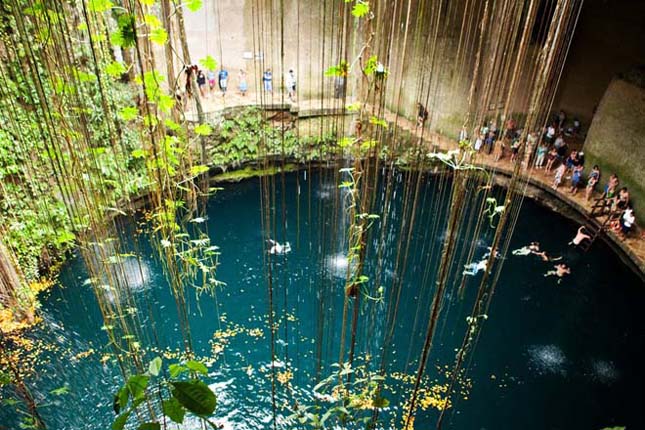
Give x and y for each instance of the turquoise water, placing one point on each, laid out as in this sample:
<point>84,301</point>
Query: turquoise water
<point>552,355</point>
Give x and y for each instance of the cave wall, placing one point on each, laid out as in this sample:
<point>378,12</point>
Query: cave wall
<point>616,140</point>
<point>609,39</point>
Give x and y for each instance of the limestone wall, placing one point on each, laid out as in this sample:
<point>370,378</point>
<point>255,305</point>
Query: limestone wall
<point>616,140</point>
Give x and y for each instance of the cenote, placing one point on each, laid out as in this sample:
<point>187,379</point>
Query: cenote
<point>551,355</point>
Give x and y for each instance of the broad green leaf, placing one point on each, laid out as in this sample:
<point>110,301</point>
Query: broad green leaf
<point>208,63</point>
<point>155,366</point>
<point>121,399</point>
<point>195,396</point>
<point>193,365</point>
<point>171,125</point>
<point>119,422</point>
<point>115,69</point>
<point>149,426</point>
<point>203,130</point>
<point>193,5</point>
<point>360,9</point>
<point>128,113</point>
<point>116,38</point>
<point>165,102</point>
<point>176,370</point>
<point>173,410</point>
<point>147,2</point>
<point>159,36</point>
<point>137,385</point>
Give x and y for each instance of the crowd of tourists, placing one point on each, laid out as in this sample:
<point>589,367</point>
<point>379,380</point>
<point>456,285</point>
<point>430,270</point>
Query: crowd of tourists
<point>549,152</point>
<point>210,82</point>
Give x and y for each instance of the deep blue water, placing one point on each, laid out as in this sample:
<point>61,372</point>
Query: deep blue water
<point>551,356</point>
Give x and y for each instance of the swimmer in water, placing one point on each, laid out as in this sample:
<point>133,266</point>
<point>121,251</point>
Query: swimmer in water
<point>580,236</point>
<point>533,248</point>
<point>561,270</point>
<point>277,248</point>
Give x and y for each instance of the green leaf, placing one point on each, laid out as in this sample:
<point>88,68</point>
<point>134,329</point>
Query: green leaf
<point>100,5</point>
<point>137,385</point>
<point>115,69</point>
<point>65,237</point>
<point>138,153</point>
<point>361,8</point>
<point>147,2</point>
<point>128,113</point>
<point>121,399</point>
<point>193,365</point>
<point>60,391</point>
<point>159,36</point>
<point>193,5</point>
<point>152,21</point>
<point>208,63</point>
<point>173,410</point>
<point>203,130</point>
<point>195,171</point>
<point>149,426</point>
<point>195,396</point>
<point>155,366</point>
<point>176,370</point>
<point>119,422</point>
<point>165,102</point>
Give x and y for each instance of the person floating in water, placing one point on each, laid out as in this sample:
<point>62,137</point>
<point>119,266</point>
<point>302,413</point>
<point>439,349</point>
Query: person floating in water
<point>580,236</point>
<point>473,268</point>
<point>278,249</point>
<point>560,270</point>
<point>534,247</point>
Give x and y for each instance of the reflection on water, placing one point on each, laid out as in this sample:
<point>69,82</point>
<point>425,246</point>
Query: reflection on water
<point>547,359</point>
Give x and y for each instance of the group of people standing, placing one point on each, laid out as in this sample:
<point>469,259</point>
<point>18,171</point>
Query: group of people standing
<point>208,81</point>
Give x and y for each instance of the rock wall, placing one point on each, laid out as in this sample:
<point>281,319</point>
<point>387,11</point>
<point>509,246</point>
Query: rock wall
<point>616,140</point>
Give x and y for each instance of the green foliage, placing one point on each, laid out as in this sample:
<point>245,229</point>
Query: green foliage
<point>361,8</point>
<point>195,396</point>
<point>159,36</point>
<point>124,36</point>
<point>355,401</point>
<point>186,395</point>
<point>208,63</point>
<point>193,5</point>
<point>342,69</point>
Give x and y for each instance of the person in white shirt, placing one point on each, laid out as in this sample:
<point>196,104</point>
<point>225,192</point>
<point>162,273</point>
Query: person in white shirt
<point>290,82</point>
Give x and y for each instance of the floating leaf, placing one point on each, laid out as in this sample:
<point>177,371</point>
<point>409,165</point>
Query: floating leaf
<point>173,410</point>
<point>203,130</point>
<point>155,366</point>
<point>195,396</point>
<point>159,36</point>
<point>60,391</point>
